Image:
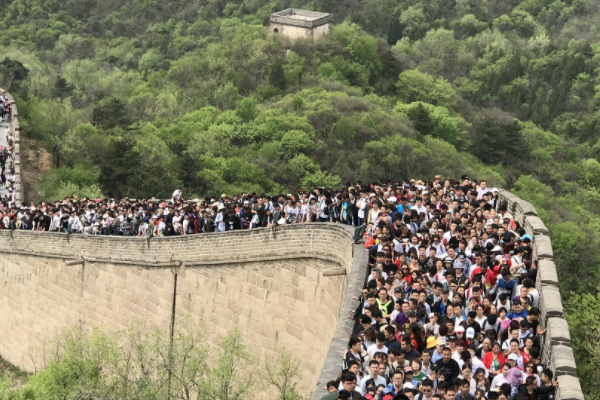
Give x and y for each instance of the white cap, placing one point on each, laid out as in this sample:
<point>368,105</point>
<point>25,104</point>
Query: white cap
<point>495,190</point>
<point>470,333</point>
<point>513,357</point>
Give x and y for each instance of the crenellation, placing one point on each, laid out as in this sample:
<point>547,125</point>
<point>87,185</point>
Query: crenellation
<point>556,343</point>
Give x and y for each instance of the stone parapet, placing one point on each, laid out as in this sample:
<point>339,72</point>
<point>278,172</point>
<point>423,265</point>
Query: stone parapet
<point>556,342</point>
<point>285,287</point>
<point>345,326</point>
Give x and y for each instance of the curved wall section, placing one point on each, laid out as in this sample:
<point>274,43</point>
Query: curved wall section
<point>281,287</point>
<point>556,344</point>
<point>13,127</point>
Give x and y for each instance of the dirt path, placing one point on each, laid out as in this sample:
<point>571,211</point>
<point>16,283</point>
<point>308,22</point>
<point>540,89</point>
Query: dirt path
<point>32,169</point>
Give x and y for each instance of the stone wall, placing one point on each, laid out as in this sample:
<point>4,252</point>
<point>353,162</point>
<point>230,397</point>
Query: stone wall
<point>14,128</point>
<point>282,287</point>
<point>556,343</point>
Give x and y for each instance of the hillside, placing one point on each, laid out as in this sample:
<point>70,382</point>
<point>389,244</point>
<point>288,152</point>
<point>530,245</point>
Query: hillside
<point>138,97</point>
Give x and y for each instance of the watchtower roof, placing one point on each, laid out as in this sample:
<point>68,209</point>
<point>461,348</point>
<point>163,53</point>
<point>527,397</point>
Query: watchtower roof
<point>302,18</point>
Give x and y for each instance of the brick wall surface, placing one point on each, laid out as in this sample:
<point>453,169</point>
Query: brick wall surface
<point>269,283</point>
<point>556,343</point>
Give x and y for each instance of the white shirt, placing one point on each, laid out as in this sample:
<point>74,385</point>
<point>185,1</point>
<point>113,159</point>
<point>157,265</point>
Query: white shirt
<point>498,381</point>
<point>361,204</point>
<point>419,210</point>
<point>372,349</point>
<point>176,194</point>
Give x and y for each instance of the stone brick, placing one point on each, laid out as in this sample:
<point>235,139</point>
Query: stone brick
<point>547,272</point>
<point>550,303</point>
<point>537,225</point>
<point>563,361</point>
<point>557,332</point>
<point>543,247</point>
<point>569,388</point>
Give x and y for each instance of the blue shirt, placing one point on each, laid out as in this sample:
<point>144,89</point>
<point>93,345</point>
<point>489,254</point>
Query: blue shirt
<point>514,315</point>
<point>502,284</point>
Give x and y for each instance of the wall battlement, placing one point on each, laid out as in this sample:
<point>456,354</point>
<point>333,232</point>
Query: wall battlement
<point>556,343</point>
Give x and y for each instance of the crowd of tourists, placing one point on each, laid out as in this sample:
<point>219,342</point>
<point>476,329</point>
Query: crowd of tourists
<point>449,310</point>
<point>354,205</point>
<point>7,168</point>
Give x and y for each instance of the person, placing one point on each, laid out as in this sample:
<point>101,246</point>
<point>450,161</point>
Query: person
<point>439,346</point>
<point>450,394</point>
<point>547,389</point>
<point>176,195</point>
<point>373,375</point>
<point>516,354</point>
<point>518,311</point>
<point>464,387</point>
<point>409,352</point>
<point>385,304</point>
<point>427,390</point>
<point>506,284</point>
<point>494,360</point>
<point>348,381</point>
<point>446,366</point>
<point>355,352</point>
<point>500,378</point>
<point>397,383</point>
<point>531,387</point>
<point>379,345</point>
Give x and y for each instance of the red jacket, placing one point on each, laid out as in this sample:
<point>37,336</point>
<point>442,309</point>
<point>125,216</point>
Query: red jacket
<point>489,357</point>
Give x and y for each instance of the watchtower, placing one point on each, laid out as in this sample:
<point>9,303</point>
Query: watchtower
<point>300,24</point>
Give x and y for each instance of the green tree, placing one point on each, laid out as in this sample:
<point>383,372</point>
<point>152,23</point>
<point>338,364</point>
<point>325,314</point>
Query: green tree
<point>421,119</point>
<point>229,379</point>
<point>50,121</point>
<point>277,76</point>
<point>498,139</point>
<point>12,75</point>
<point>283,372</point>
<point>320,178</point>
<point>246,109</point>
<point>295,142</point>
<point>585,330</point>
<point>61,88</point>
<point>111,113</point>
<point>417,86</point>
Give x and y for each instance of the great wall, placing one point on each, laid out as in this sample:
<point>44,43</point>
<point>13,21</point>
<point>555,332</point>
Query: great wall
<point>264,282</point>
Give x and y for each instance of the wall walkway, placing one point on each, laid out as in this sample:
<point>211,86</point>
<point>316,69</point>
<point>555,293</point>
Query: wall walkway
<point>13,126</point>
